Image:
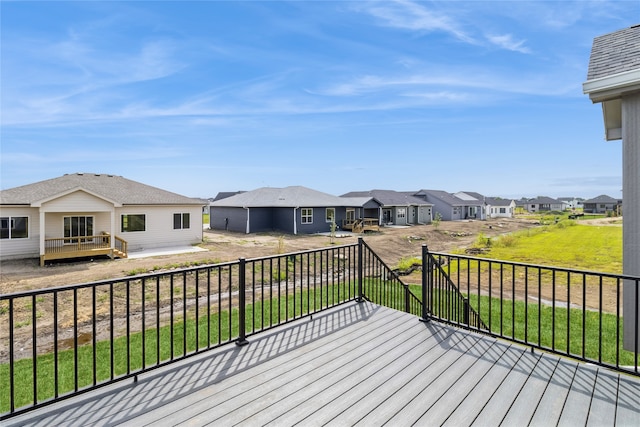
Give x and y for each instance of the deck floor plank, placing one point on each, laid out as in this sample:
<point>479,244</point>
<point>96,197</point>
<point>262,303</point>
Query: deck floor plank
<point>341,392</point>
<point>359,364</point>
<point>525,403</point>
<point>576,407</point>
<point>628,404</point>
<point>466,411</point>
<point>465,385</point>
<point>602,411</point>
<point>550,406</point>
<point>373,390</point>
<point>286,388</point>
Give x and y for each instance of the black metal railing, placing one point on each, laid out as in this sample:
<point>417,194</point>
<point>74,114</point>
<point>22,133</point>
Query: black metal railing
<point>574,313</point>
<point>444,300</point>
<point>59,342</point>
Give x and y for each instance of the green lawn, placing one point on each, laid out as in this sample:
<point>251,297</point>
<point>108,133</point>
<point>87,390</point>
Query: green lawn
<point>567,244</point>
<point>169,340</point>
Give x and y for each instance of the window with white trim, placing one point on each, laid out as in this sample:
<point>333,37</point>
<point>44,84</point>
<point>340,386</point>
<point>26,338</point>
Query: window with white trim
<point>307,215</point>
<point>133,222</point>
<point>14,227</point>
<point>402,213</point>
<point>181,221</point>
<point>330,214</point>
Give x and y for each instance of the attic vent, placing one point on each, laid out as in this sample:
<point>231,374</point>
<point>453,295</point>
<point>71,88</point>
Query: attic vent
<point>280,198</point>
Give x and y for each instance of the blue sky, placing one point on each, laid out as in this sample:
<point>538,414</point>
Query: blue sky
<point>208,96</point>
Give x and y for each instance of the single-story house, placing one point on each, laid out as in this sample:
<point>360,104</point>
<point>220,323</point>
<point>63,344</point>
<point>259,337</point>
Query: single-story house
<point>497,207</point>
<point>450,207</point>
<point>571,202</point>
<point>88,214</point>
<point>544,204</point>
<point>602,205</point>
<point>294,210</point>
<point>476,204</point>
<point>398,208</point>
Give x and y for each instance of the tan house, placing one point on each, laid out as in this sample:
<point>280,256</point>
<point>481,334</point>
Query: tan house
<point>86,214</point>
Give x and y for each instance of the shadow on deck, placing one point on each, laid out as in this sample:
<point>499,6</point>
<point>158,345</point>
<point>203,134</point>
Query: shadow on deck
<point>363,364</point>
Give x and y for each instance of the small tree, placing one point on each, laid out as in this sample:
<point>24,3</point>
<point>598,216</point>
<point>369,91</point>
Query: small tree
<point>333,230</point>
<point>436,220</point>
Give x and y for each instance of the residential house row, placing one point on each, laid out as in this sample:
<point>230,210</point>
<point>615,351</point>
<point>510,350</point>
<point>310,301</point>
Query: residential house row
<point>86,214</point>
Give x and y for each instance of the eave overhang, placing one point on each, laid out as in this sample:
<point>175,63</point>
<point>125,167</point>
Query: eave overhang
<point>609,92</point>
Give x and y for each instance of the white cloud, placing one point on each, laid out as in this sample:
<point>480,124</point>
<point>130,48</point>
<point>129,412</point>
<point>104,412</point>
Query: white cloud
<point>506,41</point>
<point>416,17</point>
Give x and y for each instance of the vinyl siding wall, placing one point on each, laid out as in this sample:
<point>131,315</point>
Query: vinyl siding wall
<point>159,230</point>
<point>21,248</point>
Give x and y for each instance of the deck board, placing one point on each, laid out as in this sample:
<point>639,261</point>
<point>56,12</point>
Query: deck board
<point>360,364</point>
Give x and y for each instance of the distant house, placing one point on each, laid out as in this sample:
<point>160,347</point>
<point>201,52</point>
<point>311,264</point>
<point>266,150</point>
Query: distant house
<point>294,210</point>
<point>452,208</point>
<point>543,204</point>
<point>398,208</point>
<point>86,214</point>
<point>571,202</point>
<point>602,205</point>
<point>500,208</point>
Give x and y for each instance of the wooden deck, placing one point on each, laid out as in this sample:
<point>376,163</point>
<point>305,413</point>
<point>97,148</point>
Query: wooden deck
<point>361,364</point>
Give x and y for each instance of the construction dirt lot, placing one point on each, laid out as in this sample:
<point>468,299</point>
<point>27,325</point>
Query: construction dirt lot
<point>391,244</point>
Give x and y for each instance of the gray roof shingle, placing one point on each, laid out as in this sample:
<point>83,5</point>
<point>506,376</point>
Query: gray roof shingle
<point>389,197</point>
<point>294,196</point>
<point>110,187</point>
<point>615,53</point>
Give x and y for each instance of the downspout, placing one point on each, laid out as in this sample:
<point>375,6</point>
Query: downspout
<point>248,227</point>
<point>295,223</point>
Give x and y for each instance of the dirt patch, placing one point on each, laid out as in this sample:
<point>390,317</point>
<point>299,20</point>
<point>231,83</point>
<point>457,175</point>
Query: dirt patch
<point>391,244</point>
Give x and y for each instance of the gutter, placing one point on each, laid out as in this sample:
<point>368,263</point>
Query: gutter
<point>248,228</point>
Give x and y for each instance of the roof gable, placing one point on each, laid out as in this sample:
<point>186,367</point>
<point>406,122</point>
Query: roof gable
<point>113,188</point>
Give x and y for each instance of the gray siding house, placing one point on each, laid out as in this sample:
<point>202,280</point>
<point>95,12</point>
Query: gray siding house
<point>398,208</point>
<point>543,204</point>
<point>450,207</point>
<point>601,205</point>
<point>294,210</point>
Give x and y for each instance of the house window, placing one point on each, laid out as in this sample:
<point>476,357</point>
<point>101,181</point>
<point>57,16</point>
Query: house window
<point>503,210</point>
<point>133,223</point>
<point>14,227</point>
<point>181,220</point>
<point>351,215</point>
<point>307,215</point>
<point>402,212</point>
<point>330,214</point>
<point>75,226</point>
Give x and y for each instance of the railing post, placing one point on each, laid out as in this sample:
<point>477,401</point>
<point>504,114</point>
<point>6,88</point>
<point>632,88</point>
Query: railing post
<point>360,297</point>
<point>242,299</point>
<point>407,303</point>
<point>465,311</point>
<point>426,277</point>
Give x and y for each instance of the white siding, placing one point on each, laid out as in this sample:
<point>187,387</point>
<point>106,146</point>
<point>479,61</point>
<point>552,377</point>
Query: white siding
<point>54,222</point>
<point>21,248</point>
<point>78,201</point>
<point>159,230</point>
